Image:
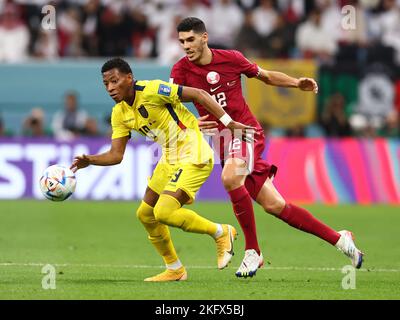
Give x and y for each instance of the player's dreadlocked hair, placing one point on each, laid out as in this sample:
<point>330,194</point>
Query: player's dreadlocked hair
<point>116,63</point>
<point>191,23</point>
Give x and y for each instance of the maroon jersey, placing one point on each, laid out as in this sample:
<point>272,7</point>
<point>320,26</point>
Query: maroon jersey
<point>221,79</point>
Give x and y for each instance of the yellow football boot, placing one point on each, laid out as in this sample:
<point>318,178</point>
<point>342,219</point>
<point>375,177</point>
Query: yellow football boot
<point>225,245</point>
<point>169,275</point>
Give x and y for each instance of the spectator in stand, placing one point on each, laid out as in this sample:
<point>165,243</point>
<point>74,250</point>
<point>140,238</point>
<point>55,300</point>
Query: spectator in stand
<point>334,119</point>
<point>34,125</point>
<point>169,50</point>
<point>143,37</point>
<point>281,40</point>
<point>195,8</point>
<point>46,45</point>
<point>314,41</point>
<point>113,33</point>
<point>91,128</point>
<point>265,18</point>
<point>390,26</point>
<point>331,17</point>
<point>248,40</point>
<point>14,35</point>
<point>247,5</point>
<point>70,122</point>
<point>226,19</point>
<point>91,19</point>
<point>293,11</point>
<point>70,32</point>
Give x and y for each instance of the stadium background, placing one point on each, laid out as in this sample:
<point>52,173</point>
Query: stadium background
<point>339,147</point>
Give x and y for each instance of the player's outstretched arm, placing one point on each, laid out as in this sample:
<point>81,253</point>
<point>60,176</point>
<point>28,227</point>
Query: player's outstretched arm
<point>280,79</point>
<point>202,97</point>
<point>109,158</point>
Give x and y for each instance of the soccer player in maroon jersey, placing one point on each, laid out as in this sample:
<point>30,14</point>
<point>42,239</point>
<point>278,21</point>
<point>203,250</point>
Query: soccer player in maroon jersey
<point>245,175</point>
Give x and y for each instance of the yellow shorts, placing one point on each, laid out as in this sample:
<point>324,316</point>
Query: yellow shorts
<point>185,176</point>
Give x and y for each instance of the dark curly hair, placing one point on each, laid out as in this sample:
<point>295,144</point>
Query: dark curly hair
<point>116,63</point>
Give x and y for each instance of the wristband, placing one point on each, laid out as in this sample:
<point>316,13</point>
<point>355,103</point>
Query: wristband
<point>225,119</point>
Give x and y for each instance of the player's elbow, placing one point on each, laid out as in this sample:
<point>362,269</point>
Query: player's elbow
<point>117,158</point>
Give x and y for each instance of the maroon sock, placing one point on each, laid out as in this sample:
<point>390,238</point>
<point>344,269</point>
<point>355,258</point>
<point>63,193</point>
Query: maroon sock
<point>243,208</point>
<point>303,220</point>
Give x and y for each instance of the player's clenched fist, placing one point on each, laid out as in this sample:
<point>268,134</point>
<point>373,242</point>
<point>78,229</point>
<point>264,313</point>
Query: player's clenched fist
<point>308,84</point>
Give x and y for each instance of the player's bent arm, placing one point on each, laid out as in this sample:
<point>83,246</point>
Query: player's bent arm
<point>275,78</point>
<point>202,97</point>
<point>112,156</point>
<point>109,158</point>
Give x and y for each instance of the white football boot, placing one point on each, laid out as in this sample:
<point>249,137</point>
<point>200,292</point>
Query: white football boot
<point>251,262</point>
<point>347,246</point>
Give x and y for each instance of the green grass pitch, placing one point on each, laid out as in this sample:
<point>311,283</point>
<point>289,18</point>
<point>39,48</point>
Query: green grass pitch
<point>100,251</point>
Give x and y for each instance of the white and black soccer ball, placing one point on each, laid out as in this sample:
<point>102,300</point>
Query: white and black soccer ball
<point>57,183</point>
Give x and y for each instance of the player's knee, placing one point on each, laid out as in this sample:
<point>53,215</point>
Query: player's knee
<point>145,213</point>
<point>231,181</point>
<point>274,206</point>
<point>161,213</point>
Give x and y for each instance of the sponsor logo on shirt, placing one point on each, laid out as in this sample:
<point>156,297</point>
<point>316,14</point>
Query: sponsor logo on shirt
<point>216,88</point>
<point>231,83</point>
<point>213,77</point>
<point>164,90</point>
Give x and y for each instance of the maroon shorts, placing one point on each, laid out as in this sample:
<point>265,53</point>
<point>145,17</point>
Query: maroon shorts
<point>258,170</point>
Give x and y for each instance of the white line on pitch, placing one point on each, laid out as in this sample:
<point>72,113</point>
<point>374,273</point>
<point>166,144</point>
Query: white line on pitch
<point>136,266</point>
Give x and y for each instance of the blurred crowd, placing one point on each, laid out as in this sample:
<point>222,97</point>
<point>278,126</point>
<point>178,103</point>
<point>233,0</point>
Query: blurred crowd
<point>69,122</point>
<point>146,29</point>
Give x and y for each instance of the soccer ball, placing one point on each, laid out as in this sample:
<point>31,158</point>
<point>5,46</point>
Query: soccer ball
<point>57,183</point>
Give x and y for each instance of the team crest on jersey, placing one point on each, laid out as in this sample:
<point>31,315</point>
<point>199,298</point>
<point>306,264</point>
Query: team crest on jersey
<point>213,77</point>
<point>164,90</point>
<point>143,112</point>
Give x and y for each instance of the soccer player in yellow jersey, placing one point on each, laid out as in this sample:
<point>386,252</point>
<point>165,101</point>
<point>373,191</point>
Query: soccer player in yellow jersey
<point>154,109</point>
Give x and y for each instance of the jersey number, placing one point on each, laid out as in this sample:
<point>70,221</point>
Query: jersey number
<point>146,131</point>
<point>220,98</point>
<point>177,175</point>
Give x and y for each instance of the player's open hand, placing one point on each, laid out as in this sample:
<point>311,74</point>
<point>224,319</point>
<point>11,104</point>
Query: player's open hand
<point>308,84</point>
<point>241,130</point>
<point>209,128</point>
<point>79,162</point>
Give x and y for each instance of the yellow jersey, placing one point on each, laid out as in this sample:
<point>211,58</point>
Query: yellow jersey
<point>158,114</point>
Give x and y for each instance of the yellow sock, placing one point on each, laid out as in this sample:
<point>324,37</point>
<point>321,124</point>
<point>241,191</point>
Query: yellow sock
<point>158,234</point>
<point>168,210</point>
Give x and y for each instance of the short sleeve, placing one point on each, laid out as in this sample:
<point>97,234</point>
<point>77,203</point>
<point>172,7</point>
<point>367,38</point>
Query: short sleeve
<point>119,130</point>
<point>163,92</point>
<point>246,67</point>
